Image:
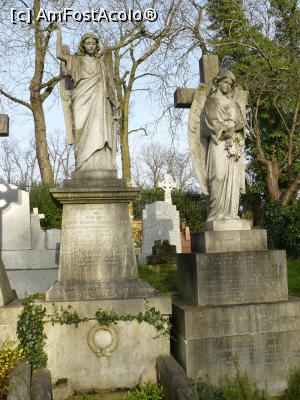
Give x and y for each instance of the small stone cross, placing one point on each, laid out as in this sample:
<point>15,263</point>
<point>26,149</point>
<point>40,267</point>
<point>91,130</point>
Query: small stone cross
<point>36,212</point>
<point>168,185</point>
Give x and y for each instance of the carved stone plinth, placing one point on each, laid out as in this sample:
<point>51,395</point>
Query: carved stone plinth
<point>97,258</point>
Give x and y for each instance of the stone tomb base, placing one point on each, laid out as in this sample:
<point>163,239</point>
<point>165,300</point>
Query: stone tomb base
<point>261,339</point>
<point>99,358</point>
<point>234,311</point>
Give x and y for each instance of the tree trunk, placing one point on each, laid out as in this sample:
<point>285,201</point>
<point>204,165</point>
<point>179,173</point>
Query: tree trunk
<point>272,180</point>
<point>125,154</point>
<point>41,140</point>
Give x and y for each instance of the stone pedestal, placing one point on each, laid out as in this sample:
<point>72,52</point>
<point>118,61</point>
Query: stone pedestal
<point>97,258</point>
<point>97,269</point>
<point>233,309</point>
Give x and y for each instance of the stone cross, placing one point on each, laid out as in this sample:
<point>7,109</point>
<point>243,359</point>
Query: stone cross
<point>209,67</point>
<point>36,212</point>
<point>168,185</point>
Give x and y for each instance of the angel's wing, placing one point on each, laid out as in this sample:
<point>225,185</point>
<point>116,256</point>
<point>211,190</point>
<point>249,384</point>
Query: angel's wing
<point>198,141</point>
<point>66,86</point>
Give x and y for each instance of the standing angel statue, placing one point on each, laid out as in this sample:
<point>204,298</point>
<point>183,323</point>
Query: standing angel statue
<point>217,126</point>
<point>89,104</point>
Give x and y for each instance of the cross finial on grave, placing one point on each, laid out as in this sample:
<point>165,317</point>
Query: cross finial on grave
<point>36,212</point>
<point>208,69</point>
<point>168,184</point>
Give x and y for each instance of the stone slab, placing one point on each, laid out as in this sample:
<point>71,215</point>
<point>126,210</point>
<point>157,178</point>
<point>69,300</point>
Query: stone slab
<point>262,339</point>
<point>15,231</point>
<point>233,278</point>
<point>228,225</point>
<point>6,293</point>
<point>160,222</point>
<point>25,282</point>
<point>173,378</point>
<point>19,384</point>
<point>227,241</point>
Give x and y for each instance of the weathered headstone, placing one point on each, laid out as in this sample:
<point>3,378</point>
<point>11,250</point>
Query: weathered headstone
<point>30,255</point>
<point>161,221</point>
<point>233,309</point>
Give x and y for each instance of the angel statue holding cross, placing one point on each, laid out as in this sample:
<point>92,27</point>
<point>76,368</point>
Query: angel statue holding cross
<point>217,123</point>
<point>89,104</point>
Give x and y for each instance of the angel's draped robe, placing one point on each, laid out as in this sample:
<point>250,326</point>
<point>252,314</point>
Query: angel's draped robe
<point>225,157</point>
<point>91,114</point>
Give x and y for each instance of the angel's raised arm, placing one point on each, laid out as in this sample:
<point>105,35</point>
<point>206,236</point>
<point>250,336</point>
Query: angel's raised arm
<point>59,46</point>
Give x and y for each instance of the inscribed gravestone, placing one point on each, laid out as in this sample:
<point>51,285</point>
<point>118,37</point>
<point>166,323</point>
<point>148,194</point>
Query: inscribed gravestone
<point>161,220</point>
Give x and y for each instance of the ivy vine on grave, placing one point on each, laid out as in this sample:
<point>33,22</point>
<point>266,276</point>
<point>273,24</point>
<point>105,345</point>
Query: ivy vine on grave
<point>32,337</point>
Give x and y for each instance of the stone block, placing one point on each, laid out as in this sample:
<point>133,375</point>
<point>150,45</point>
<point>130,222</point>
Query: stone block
<point>20,381</point>
<point>228,225</point>
<point>6,293</point>
<point>41,388</point>
<point>160,222</point>
<point>227,241</point>
<point>177,386</point>
<point>233,278</point>
<point>15,218</point>
<point>260,339</point>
